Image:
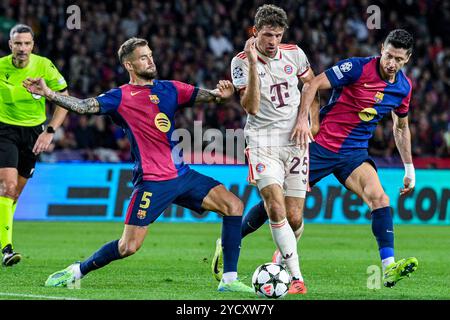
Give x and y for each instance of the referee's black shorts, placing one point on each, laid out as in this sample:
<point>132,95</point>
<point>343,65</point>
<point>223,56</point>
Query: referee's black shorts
<point>16,147</point>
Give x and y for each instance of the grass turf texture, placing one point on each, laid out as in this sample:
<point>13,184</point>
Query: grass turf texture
<point>174,262</point>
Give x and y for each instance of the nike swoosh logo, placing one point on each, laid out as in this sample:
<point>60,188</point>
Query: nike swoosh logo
<point>134,93</point>
<point>368,86</point>
<point>216,265</point>
<point>287,256</point>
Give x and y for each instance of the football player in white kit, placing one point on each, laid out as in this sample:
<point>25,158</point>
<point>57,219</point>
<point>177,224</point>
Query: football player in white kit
<point>267,74</point>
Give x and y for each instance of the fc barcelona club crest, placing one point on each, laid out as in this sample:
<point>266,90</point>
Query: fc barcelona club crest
<point>154,98</point>
<point>379,97</point>
<point>141,214</point>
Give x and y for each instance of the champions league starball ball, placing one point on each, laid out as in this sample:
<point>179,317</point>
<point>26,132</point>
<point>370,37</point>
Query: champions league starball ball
<point>271,280</point>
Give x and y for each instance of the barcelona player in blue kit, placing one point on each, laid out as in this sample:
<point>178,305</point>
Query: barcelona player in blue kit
<point>364,91</point>
<point>145,108</point>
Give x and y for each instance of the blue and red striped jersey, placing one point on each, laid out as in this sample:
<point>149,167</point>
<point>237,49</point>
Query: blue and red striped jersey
<point>147,115</point>
<point>360,99</point>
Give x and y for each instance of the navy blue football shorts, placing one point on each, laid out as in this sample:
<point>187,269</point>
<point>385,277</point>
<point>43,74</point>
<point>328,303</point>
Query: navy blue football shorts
<point>323,162</point>
<point>150,198</point>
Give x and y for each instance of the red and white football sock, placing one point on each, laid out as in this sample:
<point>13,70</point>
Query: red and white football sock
<point>284,238</point>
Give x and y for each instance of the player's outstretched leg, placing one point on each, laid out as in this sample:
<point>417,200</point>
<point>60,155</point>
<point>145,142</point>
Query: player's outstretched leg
<point>217,271</point>
<point>251,222</point>
<point>106,254</point>
<point>398,270</point>
<point>231,243</point>
<point>130,242</point>
<point>220,200</point>
<point>254,219</point>
<point>109,252</point>
<point>65,277</point>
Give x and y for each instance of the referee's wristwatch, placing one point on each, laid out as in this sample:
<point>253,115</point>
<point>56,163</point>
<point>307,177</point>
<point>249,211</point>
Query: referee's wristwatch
<point>50,129</point>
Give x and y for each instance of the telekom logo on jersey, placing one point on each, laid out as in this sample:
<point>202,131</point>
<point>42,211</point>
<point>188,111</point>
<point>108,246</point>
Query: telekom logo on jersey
<point>278,94</point>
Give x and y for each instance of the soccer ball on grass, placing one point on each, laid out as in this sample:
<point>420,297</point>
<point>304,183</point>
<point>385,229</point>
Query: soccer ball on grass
<point>271,280</point>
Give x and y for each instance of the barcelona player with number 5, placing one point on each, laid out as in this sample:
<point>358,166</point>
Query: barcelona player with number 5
<point>145,108</point>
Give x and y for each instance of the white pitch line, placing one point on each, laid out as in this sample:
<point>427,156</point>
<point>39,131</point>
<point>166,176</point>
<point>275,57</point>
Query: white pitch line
<point>35,296</point>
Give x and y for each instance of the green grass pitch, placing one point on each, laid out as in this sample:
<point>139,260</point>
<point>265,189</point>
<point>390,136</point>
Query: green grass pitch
<point>174,262</point>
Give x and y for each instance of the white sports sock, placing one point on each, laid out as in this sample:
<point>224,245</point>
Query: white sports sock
<point>76,270</point>
<point>229,277</point>
<point>284,238</point>
<point>386,262</point>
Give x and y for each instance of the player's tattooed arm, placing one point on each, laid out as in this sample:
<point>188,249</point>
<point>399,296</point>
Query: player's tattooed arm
<point>81,106</point>
<point>205,95</point>
<point>223,91</point>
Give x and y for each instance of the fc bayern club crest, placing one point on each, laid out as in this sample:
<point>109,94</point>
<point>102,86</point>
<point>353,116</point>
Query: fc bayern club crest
<point>288,69</point>
<point>260,167</point>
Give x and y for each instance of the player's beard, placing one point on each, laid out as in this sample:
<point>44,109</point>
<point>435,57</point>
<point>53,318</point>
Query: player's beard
<point>148,74</point>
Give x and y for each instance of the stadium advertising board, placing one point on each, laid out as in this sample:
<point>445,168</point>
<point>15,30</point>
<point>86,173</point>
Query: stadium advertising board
<point>100,192</point>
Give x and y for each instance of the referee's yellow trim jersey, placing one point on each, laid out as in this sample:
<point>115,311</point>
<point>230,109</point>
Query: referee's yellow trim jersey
<point>18,106</point>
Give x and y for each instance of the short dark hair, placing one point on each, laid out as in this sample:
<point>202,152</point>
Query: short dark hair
<point>128,47</point>
<point>21,28</point>
<point>270,15</point>
<point>400,39</point>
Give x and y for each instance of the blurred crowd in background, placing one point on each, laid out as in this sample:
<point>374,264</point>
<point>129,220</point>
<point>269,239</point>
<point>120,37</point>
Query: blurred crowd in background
<point>194,41</point>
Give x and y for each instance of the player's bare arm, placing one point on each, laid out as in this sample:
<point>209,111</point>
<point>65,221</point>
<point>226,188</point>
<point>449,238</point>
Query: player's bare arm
<point>205,95</point>
<point>310,88</point>
<point>402,137</point>
<point>60,113</point>
<point>80,106</point>
<point>223,91</point>
<point>45,138</point>
<point>314,111</point>
<point>251,96</point>
<point>315,106</point>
